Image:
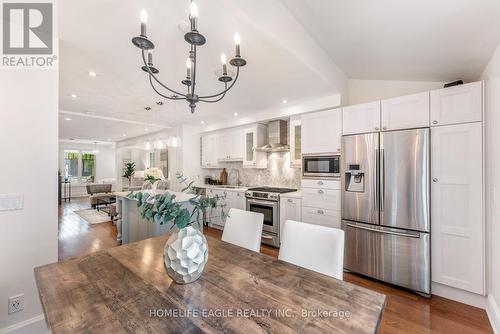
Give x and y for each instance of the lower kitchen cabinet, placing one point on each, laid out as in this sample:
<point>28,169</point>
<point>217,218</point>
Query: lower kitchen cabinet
<point>321,198</point>
<point>229,199</point>
<point>325,217</point>
<point>290,209</point>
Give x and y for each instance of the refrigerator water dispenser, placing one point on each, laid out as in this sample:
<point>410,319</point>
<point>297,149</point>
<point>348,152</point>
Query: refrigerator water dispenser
<point>355,179</point>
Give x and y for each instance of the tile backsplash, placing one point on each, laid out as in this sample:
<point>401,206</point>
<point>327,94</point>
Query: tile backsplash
<point>277,174</point>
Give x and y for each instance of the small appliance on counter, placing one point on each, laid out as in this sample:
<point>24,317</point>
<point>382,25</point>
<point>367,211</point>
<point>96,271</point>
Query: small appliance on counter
<point>266,200</point>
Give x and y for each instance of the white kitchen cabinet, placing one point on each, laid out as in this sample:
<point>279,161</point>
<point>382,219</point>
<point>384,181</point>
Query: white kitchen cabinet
<point>321,198</point>
<point>325,217</point>
<point>253,138</point>
<point>295,143</point>
<point>230,146</point>
<point>236,200</point>
<point>361,118</point>
<point>209,151</point>
<point>405,112</point>
<point>457,204</point>
<point>321,131</point>
<point>457,104</point>
<point>290,209</point>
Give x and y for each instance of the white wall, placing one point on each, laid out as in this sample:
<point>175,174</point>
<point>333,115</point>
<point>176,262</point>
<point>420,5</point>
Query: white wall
<point>491,76</point>
<point>105,166</point>
<point>361,91</point>
<point>28,151</point>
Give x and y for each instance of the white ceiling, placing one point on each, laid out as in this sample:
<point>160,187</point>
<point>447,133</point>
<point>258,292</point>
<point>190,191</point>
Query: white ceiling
<point>421,40</point>
<point>295,49</point>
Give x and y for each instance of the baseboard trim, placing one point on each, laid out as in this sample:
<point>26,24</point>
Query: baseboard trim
<point>34,325</point>
<point>459,295</point>
<point>493,314</point>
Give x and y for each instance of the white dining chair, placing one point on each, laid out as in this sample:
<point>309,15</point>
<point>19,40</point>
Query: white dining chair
<point>314,247</point>
<point>244,229</point>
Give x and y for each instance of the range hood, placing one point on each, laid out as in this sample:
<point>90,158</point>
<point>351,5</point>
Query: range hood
<point>277,137</point>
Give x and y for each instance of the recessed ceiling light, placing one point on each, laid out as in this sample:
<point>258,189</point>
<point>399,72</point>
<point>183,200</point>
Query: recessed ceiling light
<point>67,119</point>
<point>235,114</point>
<point>202,122</point>
<point>92,74</point>
<point>124,135</point>
<point>284,101</point>
<point>74,96</point>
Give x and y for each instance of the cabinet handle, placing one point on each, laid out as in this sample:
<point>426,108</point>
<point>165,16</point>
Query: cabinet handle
<point>290,200</point>
<point>321,191</point>
<point>321,212</point>
<point>435,180</point>
<point>376,128</point>
<point>384,128</point>
<point>434,122</point>
<point>320,183</point>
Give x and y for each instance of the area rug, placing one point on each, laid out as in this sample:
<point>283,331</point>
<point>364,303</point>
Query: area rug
<point>92,216</point>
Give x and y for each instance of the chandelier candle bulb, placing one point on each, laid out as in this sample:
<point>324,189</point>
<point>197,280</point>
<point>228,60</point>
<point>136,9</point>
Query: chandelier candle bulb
<point>188,67</point>
<point>150,57</point>
<point>144,21</point>
<point>223,59</point>
<point>237,42</point>
<point>193,11</point>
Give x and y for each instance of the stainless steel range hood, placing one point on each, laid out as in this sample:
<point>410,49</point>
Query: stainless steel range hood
<point>277,137</point>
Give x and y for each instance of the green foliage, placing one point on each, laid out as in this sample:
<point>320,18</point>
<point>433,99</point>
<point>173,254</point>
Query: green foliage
<point>163,209</point>
<point>151,179</point>
<point>129,170</point>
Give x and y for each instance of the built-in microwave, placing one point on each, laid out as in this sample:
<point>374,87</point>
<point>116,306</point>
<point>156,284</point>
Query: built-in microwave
<point>324,165</point>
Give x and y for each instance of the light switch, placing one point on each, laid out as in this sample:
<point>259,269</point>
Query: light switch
<point>11,202</point>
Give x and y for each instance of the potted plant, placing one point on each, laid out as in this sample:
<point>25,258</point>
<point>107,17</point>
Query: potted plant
<point>128,171</point>
<point>186,250</point>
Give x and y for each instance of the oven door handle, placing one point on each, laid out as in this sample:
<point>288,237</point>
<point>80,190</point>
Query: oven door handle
<point>270,203</point>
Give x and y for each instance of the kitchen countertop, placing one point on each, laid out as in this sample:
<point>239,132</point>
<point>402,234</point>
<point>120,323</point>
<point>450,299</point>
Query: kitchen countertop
<point>126,289</point>
<point>295,194</point>
<point>241,189</point>
<point>179,196</point>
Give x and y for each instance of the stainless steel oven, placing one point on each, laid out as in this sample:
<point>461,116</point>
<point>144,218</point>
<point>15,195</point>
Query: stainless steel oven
<point>324,165</point>
<point>266,200</point>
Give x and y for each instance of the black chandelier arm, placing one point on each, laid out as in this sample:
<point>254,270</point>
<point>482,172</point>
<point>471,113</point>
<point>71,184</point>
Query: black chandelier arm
<point>227,88</point>
<point>164,96</point>
<point>156,79</point>
<point>217,100</point>
<point>193,85</point>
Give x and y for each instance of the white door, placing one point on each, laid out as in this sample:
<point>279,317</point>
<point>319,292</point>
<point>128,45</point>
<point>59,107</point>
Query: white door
<point>321,131</point>
<point>295,143</point>
<point>458,104</point>
<point>457,204</point>
<point>405,112</point>
<point>290,209</point>
<point>361,118</point>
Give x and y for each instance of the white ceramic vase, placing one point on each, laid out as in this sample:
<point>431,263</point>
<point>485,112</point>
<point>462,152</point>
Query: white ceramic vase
<point>185,255</point>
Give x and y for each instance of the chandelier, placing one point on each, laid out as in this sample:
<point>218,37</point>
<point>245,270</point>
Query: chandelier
<point>195,39</point>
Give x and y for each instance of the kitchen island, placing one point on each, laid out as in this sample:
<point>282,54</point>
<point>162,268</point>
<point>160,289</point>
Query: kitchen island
<point>131,227</point>
<point>127,290</point>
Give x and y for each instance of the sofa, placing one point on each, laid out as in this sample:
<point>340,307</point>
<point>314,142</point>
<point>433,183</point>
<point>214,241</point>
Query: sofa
<point>99,191</point>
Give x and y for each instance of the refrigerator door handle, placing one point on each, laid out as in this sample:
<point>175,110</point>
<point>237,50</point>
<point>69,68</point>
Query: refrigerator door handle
<point>382,178</point>
<point>401,234</point>
<point>375,183</point>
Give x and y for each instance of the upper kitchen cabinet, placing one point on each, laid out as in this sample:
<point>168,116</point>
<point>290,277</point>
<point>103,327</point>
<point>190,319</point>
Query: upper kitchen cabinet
<point>209,151</point>
<point>253,138</point>
<point>361,118</point>
<point>457,104</point>
<point>230,146</point>
<point>295,143</point>
<point>457,206</point>
<point>321,131</point>
<point>405,112</point>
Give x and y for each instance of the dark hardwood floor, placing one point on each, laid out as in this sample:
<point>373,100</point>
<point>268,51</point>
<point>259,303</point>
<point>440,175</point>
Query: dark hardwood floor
<point>405,312</point>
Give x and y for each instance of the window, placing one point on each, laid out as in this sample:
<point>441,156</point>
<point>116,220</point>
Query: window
<point>151,159</point>
<point>88,165</point>
<point>70,164</point>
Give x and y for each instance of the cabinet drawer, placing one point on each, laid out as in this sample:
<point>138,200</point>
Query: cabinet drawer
<point>321,198</point>
<point>330,218</point>
<point>320,184</point>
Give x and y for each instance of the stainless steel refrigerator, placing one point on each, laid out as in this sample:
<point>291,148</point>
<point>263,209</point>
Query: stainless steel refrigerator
<point>386,207</point>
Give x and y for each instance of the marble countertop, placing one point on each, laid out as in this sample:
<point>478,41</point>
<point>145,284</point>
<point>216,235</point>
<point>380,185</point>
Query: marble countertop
<point>240,189</point>
<point>295,194</point>
<point>179,196</point>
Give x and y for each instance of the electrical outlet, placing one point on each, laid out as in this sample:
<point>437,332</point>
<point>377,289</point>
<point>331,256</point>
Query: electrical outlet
<point>16,303</point>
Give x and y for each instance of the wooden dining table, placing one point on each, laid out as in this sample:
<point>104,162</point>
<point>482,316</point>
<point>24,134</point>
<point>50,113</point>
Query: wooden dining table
<point>127,290</point>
